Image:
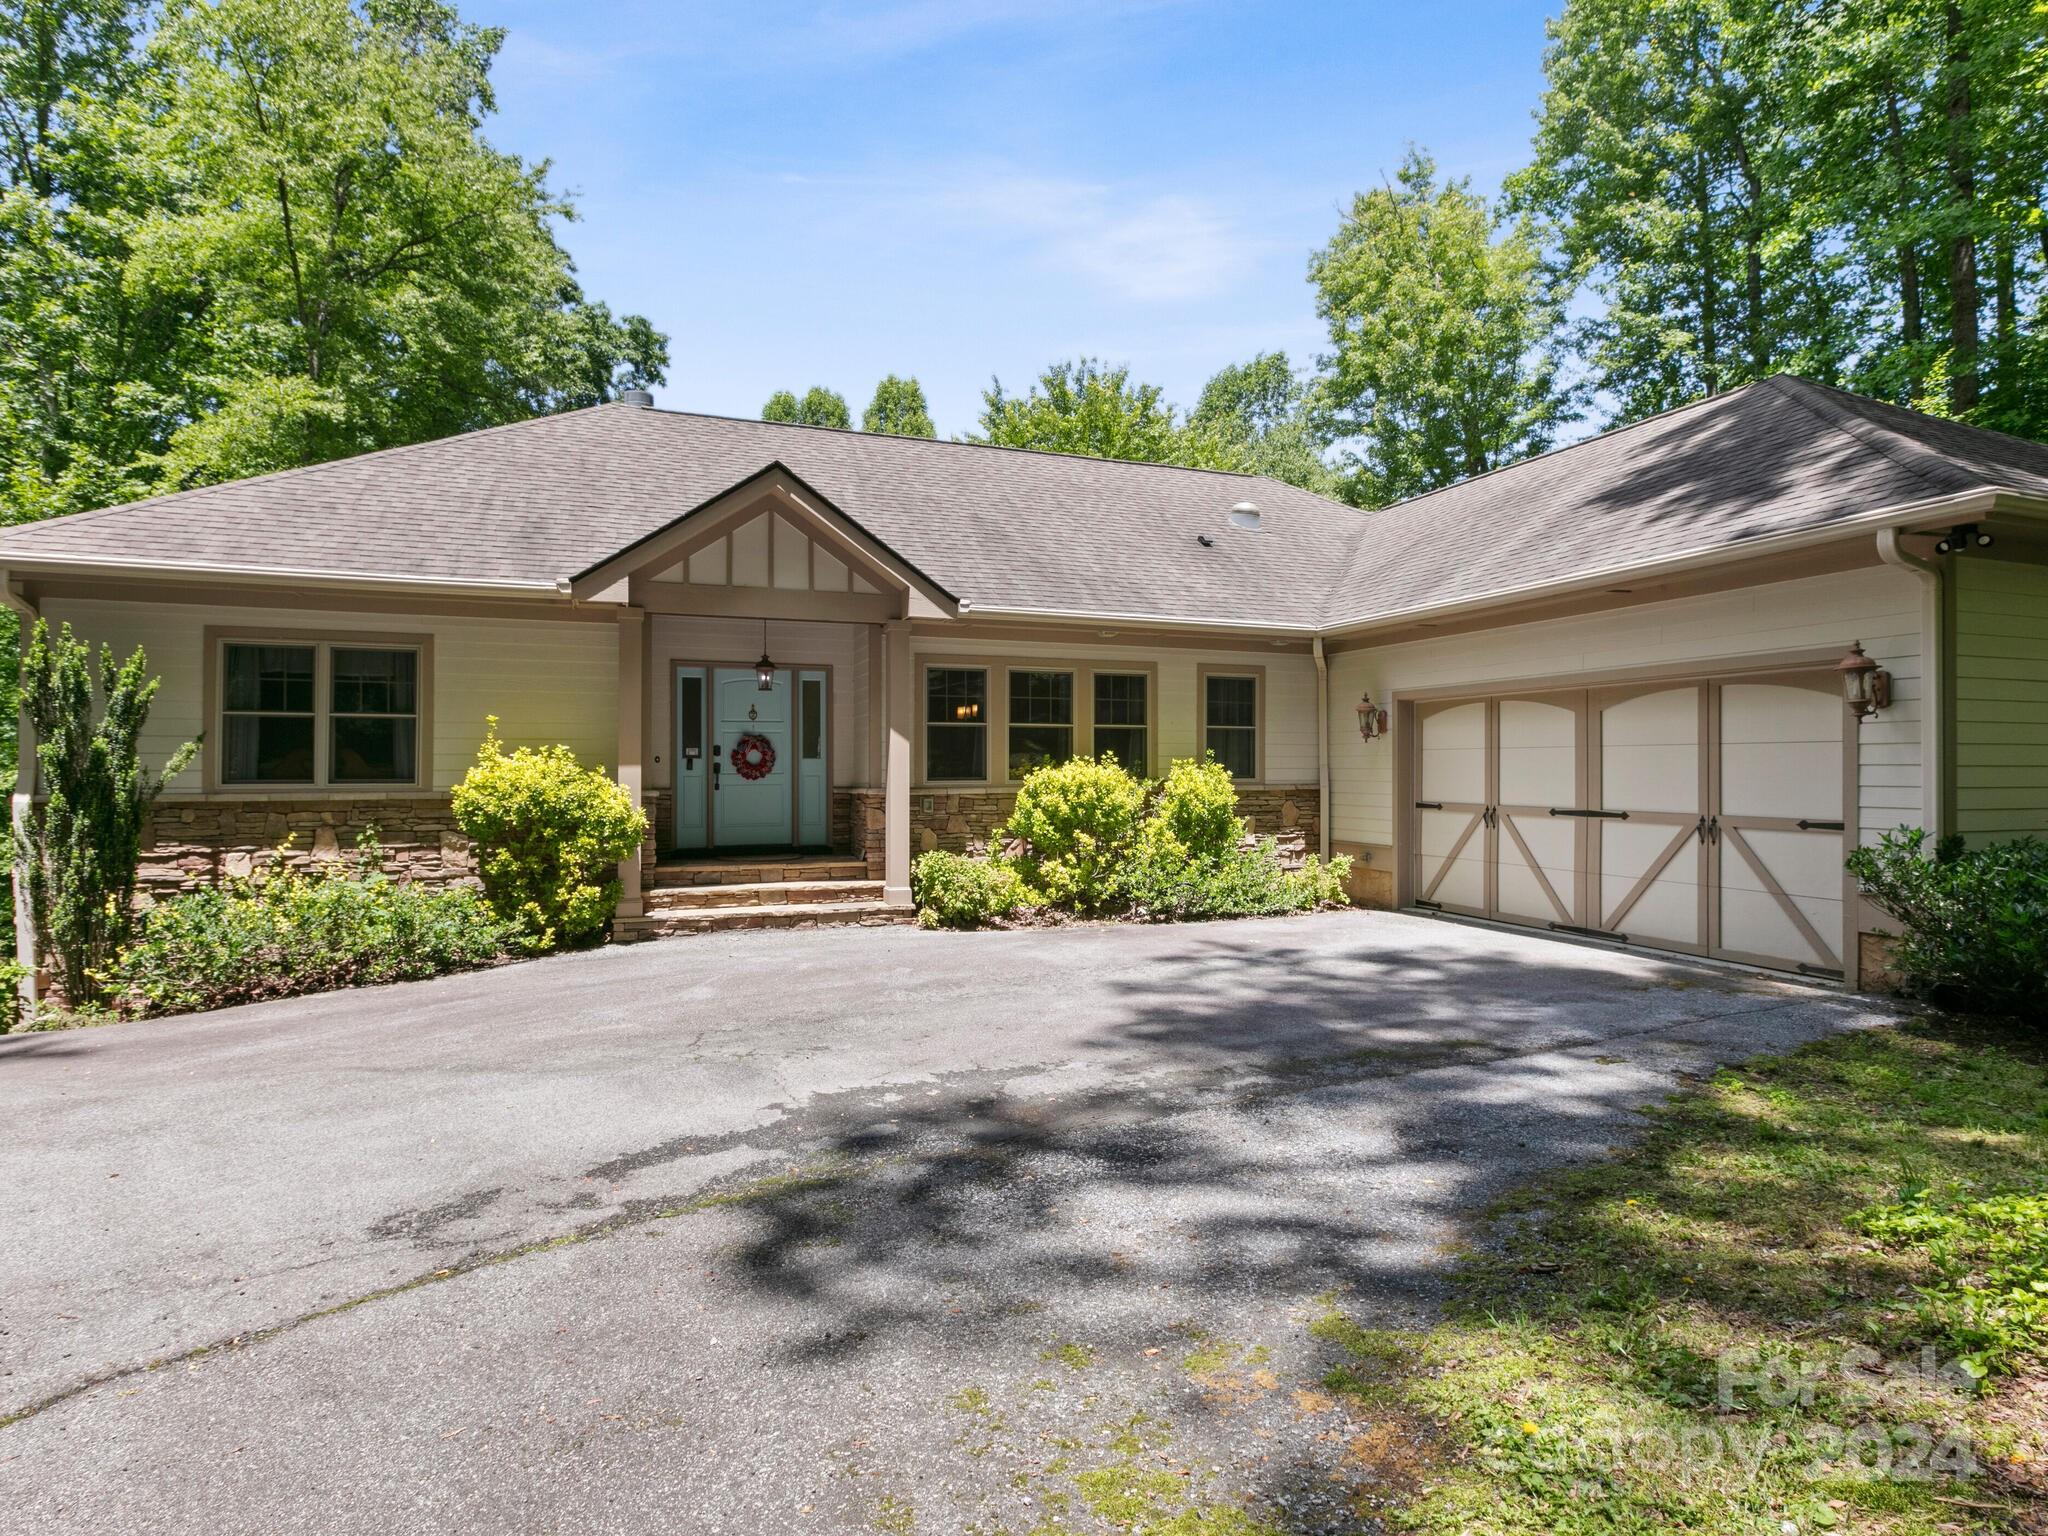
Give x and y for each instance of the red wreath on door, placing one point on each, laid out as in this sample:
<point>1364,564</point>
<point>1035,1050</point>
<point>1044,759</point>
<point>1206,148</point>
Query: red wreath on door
<point>753,757</point>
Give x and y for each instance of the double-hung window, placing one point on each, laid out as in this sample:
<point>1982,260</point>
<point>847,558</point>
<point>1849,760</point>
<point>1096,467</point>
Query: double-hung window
<point>1230,723</point>
<point>1041,720</point>
<point>317,713</point>
<point>1121,719</point>
<point>955,723</point>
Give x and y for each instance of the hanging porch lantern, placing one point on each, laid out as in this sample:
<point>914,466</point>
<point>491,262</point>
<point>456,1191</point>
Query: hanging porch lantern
<point>1865,685</point>
<point>1372,718</point>
<point>764,669</point>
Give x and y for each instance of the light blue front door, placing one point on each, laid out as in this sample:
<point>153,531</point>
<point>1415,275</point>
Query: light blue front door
<point>751,811</point>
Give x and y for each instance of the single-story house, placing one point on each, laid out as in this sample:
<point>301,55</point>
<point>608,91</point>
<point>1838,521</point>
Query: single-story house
<point>1597,692</point>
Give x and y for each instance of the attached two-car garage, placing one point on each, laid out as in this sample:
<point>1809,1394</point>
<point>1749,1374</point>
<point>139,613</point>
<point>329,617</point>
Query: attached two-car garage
<point>1706,815</point>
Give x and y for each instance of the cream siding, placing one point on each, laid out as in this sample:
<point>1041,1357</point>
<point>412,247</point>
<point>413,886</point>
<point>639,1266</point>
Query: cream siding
<point>546,680</point>
<point>2001,698</point>
<point>1879,605</point>
<point>1289,703</point>
<point>677,642</point>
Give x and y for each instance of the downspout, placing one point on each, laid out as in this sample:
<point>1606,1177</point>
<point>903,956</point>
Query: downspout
<point>1934,696</point>
<point>1322,747</point>
<point>22,803</point>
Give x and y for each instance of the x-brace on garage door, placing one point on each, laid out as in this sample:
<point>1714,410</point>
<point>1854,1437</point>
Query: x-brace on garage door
<point>1704,816</point>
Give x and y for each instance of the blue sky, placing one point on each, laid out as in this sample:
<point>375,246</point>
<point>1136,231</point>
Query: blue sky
<point>803,193</point>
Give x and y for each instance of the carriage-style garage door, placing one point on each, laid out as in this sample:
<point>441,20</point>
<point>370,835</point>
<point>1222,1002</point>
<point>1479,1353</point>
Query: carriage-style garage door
<point>1701,816</point>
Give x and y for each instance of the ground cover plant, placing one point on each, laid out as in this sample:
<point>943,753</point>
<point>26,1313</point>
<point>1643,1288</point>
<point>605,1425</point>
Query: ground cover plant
<point>1811,1299</point>
<point>286,931</point>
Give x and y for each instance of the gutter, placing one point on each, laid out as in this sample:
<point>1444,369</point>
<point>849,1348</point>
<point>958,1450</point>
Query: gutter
<point>1151,620</point>
<point>1959,506</point>
<point>1934,702</point>
<point>278,576</point>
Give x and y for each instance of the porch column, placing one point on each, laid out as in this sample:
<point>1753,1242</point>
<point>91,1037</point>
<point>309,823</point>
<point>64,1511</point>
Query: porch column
<point>21,804</point>
<point>632,711</point>
<point>896,763</point>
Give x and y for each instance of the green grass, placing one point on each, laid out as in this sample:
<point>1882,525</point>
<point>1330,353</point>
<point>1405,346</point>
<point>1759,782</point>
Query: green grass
<point>1717,1330</point>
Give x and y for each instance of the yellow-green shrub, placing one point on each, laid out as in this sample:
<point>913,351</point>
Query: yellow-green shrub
<point>1077,820</point>
<point>549,835</point>
<point>953,891</point>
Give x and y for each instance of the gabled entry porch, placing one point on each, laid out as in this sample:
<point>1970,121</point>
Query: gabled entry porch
<point>765,687</point>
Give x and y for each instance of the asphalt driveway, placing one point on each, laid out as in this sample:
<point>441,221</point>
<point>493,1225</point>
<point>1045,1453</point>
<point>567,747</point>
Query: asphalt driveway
<point>843,1230</point>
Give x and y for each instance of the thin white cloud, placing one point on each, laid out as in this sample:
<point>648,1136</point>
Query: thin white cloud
<point>1166,247</point>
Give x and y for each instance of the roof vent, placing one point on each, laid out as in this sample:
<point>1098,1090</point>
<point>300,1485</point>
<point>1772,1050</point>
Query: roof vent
<point>1245,515</point>
<point>639,397</point>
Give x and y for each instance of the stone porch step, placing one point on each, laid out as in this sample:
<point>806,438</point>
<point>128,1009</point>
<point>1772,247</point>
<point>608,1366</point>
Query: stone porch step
<point>761,893</point>
<point>806,914</point>
<point>670,873</point>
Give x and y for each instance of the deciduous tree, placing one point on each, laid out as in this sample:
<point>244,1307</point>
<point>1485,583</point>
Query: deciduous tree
<point>899,410</point>
<point>1440,324</point>
<point>1088,407</point>
<point>1263,410</point>
<point>820,407</point>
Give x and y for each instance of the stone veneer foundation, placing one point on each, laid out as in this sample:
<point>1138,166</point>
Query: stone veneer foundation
<point>952,819</point>
<point>193,843</point>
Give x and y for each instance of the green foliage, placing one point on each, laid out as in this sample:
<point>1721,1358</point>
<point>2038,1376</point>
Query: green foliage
<point>820,407</point>
<point>952,891</point>
<point>1194,857</point>
<point>1196,810</point>
<point>1989,1302</point>
<point>1975,920</point>
<point>239,235</point>
<point>549,834</point>
<point>1098,840</point>
<point>899,410</point>
<point>1439,324</point>
<point>1716,1285</point>
<point>1077,820</point>
<point>1263,412</point>
<point>286,932</point>
<point>84,837</point>
<point>1842,191</point>
<point>1089,408</point>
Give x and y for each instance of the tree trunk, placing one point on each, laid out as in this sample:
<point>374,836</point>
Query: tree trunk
<point>1911,325</point>
<point>1710,362</point>
<point>1962,244</point>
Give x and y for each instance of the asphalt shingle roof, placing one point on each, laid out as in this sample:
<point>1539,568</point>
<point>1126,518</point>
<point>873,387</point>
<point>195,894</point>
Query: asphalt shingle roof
<point>532,503</point>
<point>1779,456</point>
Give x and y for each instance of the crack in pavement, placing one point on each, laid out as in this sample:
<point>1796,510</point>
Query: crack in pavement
<point>872,1130</point>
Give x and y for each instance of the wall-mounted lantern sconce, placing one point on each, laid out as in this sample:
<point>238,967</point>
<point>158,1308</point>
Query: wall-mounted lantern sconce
<point>1866,685</point>
<point>1372,718</point>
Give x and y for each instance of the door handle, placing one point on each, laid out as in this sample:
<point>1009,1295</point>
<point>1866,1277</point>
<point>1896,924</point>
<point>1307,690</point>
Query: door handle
<point>1560,810</point>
